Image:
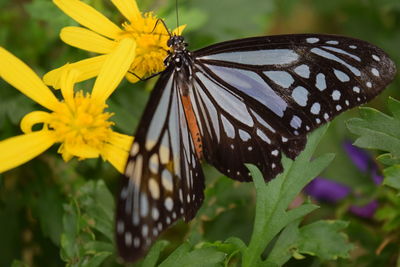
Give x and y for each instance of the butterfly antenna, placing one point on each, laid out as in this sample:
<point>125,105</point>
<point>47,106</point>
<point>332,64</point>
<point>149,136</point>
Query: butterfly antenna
<point>177,16</point>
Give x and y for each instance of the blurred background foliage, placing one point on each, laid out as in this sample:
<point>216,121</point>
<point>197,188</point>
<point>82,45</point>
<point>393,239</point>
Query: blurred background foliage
<point>39,200</point>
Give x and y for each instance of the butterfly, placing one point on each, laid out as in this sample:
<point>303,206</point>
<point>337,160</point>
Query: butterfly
<point>242,101</point>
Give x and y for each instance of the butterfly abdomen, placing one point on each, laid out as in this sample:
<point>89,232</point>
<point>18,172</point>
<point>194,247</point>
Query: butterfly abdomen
<point>193,126</point>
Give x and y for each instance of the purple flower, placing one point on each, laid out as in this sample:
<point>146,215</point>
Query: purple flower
<point>365,211</point>
<point>359,157</point>
<point>327,190</point>
<point>331,191</point>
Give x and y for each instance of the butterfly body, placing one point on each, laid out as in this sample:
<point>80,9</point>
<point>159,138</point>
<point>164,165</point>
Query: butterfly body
<point>242,101</point>
<point>182,62</point>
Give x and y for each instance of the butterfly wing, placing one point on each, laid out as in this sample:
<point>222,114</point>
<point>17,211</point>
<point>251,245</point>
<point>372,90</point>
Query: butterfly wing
<point>258,97</point>
<point>163,178</point>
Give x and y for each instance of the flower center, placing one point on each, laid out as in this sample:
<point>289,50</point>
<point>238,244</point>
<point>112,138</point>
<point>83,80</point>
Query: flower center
<point>81,123</point>
<point>151,39</point>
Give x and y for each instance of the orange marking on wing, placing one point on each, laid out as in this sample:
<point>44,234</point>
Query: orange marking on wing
<point>193,126</point>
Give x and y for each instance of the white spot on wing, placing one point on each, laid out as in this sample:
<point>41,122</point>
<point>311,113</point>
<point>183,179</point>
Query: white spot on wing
<point>135,149</point>
<point>259,57</point>
<point>155,213</point>
<point>320,82</point>
<point>128,239</point>
<point>295,122</point>
<point>153,163</point>
<point>376,58</point>
<point>144,205</point>
<point>375,72</point>
<point>136,242</point>
<point>228,127</point>
<point>303,71</point>
<point>343,77</point>
<point>356,89</point>
<point>281,78</point>
<point>154,188</point>
<point>369,84</point>
<point>263,136</point>
<point>120,227</point>
<point>130,166</point>
<point>145,230</point>
<point>315,108</point>
<point>164,150</point>
<point>244,135</point>
<point>169,203</point>
<point>312,40</point>
<point>166,180</point>
<point>300,95</point>
<point>332,42</point>
<point>336,95</point>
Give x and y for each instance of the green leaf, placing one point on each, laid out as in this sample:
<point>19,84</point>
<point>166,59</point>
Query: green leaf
<point>378,130</point>
<point>206,256</point>
<point>95,260</point>
<point>388,159</point>
<point>274,197</point>
<point>49,209</point>
<point>86,221</point>
<point>324,240</point>
<point>153,255</point>
<point>176,255</point>
<point>285,244</point>
<point>389,213</point>
<point>392,176</point>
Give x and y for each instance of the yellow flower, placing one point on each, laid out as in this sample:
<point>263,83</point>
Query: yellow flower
<point>102,36</point>
<point>78,122</point>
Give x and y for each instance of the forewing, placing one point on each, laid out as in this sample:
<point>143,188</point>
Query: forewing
<point>258,97</point>
<point>163,179</point>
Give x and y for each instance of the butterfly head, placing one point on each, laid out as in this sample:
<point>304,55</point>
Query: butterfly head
<point>177,43</point>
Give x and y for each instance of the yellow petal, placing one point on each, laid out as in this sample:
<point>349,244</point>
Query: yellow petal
<point>87,69</point>
<point>32,118</point>
<point>19,75</point>
<point>116,156</point>
<point>68,80</point>
<point>114,69</point>
<point>85,39</point>
<point>179,30</point>
<point>20,149</point>
<point>80,151</point>
<point>122,141</point>
<point>116,152</point>
<point>88,17</point>
<point>128,8</point>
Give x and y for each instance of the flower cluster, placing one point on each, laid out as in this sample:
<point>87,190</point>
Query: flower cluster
<point>79,122</point>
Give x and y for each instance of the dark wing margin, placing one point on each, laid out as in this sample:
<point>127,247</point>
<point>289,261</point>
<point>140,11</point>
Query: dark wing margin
<point>256,98</point>
<point>163,179</point>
